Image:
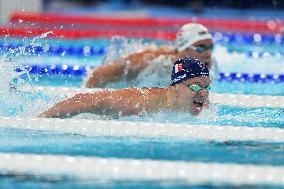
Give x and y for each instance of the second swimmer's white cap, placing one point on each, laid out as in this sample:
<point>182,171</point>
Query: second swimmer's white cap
<point>189,34</point>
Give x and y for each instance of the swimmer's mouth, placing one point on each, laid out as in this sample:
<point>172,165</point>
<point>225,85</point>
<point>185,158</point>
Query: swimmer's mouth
<point>198,103</point>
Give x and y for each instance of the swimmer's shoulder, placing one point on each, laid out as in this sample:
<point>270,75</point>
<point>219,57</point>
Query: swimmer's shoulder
<point>152,90</point>
<point>133,89</point>
<point>164,49</point>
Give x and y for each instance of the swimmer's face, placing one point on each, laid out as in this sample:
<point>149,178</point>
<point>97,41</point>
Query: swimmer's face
<point>193,101</point>
<point>201,50</point>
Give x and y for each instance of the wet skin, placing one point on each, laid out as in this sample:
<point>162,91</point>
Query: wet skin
<point>205,57</point>
<point>189,100</point>
<point>130,66</point>
<point>133,101</point>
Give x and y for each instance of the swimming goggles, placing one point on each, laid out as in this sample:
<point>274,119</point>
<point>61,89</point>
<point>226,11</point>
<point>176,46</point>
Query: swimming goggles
<point>196,87</point>
<point>202,48</point>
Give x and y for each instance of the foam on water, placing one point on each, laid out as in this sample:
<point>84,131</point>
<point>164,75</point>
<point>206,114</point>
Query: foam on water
<point>158,73</point>
<point>215,115</point>
<point>120,47</point>
<point>33,103</point>
<point>15,102</point>
<point>11,98</point>
<point>240,62</point>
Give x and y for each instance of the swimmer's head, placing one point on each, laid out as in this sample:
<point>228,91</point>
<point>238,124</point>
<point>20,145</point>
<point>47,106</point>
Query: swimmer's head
<point>189,34</point>
<point>190,85</point>
<point>187,68</point>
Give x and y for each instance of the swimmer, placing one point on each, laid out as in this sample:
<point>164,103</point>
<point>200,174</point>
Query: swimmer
<point>188,92</point>
<point>192,40</point>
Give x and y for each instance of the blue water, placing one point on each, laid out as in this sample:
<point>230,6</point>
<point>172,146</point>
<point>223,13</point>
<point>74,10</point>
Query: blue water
<point>268,88</point>
<point>43,142</point>
<point>216,115</point>
<point>220,115</point>
<point>54,42</point>
<point>13,181</point>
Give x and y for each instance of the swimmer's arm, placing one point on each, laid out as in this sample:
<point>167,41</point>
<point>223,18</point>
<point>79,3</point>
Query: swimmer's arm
<point>130,67</point>
<point>75,105</point>
<point>140,61</point>
<point>105,74</point>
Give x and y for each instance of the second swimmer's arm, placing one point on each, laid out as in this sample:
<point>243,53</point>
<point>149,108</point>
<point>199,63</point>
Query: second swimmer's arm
<point>129,66</point>
<point>105,73</point>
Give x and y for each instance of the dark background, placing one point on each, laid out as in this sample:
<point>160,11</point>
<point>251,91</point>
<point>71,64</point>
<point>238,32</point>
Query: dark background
<point>194,4</point>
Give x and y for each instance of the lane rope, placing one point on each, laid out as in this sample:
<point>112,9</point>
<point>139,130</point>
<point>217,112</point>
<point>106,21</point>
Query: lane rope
<point>111,128</point>
<point>109,170</point>
<point>77,70</point>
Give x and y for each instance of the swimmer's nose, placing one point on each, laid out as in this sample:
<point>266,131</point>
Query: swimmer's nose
<point>203,93</point>
<point>208,52</point>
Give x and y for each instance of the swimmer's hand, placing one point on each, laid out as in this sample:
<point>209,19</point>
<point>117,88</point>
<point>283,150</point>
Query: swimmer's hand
<point>42,115</point>
<point>47,114</point>
<point>50,115</point>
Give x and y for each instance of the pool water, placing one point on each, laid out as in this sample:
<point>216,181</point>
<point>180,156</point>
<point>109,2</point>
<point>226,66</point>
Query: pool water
<point>39,142</point>
<point>71,183</point>
<point>268,88</point>
<point>32,103</point>
<point>23,104</point>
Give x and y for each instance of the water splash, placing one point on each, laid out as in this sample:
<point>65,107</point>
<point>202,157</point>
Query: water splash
<point>155,75</point>
<point>35,41</point>
<point>219,115</point>
<point>13,100</point>
<point>91,116</point>
<point>121,47</point>
<point>240,62</point>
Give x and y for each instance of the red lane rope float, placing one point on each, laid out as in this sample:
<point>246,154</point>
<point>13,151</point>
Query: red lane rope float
<point>78,34</point>
<point>269,26</point>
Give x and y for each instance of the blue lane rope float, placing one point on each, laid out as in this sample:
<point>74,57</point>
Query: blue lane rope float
<point>257,54</point>
<point>56,50</point>
<point>100,51</point>
<point>82,71</point>
<point>247,38</point>
<point>219,37</point>
<point>247,77</point>
<point>55,70</point>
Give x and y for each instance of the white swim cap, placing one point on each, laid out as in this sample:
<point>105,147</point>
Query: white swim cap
<point>189,34</point>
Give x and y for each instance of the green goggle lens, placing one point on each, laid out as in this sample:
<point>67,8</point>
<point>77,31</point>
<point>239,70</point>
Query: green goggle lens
<point>196,87</point>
